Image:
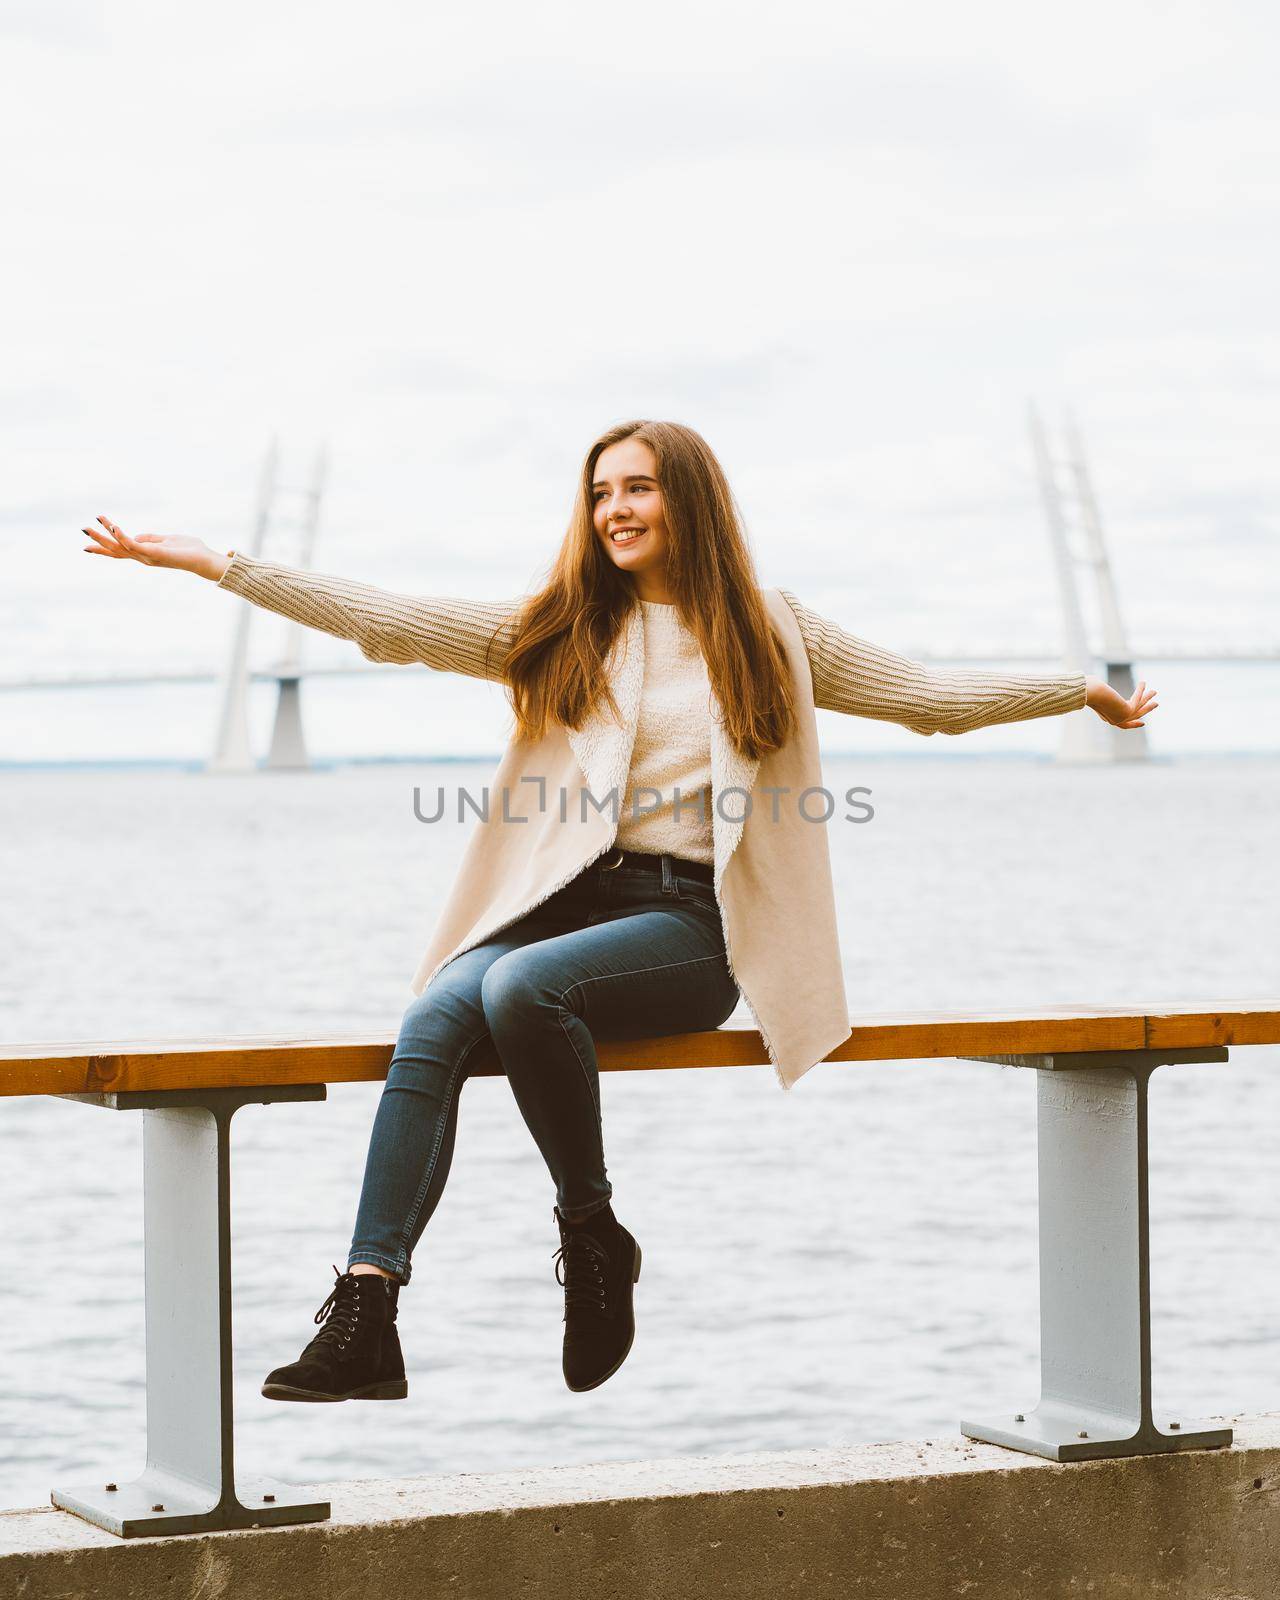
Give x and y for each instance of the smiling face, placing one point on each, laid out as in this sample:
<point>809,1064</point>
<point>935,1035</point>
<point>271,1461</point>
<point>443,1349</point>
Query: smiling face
<point>626,509</point>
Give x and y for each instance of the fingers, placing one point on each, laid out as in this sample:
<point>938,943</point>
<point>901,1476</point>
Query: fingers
<point>118,532</point>
<point>104,547</point>
<point>115,542</point>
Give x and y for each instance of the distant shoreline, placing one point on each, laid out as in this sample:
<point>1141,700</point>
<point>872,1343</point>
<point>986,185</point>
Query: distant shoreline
<point>336,763</point>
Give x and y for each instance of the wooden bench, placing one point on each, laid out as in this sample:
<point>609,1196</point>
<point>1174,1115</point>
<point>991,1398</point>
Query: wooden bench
<point>1093,1066</point>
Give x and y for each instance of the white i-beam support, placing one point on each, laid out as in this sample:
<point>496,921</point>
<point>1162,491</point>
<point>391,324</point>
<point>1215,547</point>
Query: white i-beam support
<point>1095,1264</point>
<point>189,1483</point>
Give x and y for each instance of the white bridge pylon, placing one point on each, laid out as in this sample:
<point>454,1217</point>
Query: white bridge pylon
<point>232,749</point>
<point>1084,739</point>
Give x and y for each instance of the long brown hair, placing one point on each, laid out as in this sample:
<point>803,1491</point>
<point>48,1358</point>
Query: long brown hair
<point>556,665</point>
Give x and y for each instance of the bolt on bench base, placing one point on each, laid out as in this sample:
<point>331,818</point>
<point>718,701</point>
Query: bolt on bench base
<point>188,1484</point>
<point>188,1507</point>
<point>1095,1263</point>
<point>1053,1430</point>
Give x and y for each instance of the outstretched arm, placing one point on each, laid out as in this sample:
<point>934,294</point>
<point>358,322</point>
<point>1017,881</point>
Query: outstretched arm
<point>451,635</point>
<point>867,680</point>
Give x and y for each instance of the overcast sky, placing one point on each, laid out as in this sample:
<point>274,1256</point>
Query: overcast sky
<point>846,243</point>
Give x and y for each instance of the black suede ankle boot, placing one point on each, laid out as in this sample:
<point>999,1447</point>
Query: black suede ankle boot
<point>601,1262</point>
<point>356,1355</point>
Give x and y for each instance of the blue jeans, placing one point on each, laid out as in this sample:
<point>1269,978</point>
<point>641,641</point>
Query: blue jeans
<point>624,952</point>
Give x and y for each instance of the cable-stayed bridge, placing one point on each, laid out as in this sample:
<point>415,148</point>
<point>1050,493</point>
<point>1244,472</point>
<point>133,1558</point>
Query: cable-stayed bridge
<point>1081,566</point>
<point>269,673</point>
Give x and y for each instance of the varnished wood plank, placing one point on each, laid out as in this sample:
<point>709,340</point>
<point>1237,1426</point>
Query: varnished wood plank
<point>96,1067</point>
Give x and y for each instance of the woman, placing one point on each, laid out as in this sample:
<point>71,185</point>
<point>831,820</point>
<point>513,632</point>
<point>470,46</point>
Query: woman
<point>650,663</point>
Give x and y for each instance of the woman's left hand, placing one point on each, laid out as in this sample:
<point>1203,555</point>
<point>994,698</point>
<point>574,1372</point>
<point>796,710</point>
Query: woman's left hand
<point>1112,706</point>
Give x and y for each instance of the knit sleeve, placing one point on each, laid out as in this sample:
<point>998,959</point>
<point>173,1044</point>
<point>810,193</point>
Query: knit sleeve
<point>467,636</point>
<point>868,680</point>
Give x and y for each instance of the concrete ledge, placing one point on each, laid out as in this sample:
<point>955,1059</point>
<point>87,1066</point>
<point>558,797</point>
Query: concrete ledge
<point>909,1521</point>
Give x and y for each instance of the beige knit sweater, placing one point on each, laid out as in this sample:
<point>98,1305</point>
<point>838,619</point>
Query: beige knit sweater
<point>850,674</point>
<point>671,756</point>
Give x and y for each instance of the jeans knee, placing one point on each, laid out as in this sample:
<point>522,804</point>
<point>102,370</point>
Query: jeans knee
<point>435,1046</point>
<point>511,991</point>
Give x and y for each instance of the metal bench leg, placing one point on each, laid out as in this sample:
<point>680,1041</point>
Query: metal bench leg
<point>189,1483</point>
<point>1095,1262</point>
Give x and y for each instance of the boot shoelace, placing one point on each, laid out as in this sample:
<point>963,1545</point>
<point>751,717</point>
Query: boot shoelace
<point>581,1256</point>
<point>342,1309</point>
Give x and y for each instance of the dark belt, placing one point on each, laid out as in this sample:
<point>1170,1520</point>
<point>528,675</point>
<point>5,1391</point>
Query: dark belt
<point>616,857</point>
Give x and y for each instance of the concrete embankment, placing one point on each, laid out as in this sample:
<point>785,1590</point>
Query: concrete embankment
<point>902,1521</point>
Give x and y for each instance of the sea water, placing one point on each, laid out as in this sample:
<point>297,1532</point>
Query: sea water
<point>852,1261</point>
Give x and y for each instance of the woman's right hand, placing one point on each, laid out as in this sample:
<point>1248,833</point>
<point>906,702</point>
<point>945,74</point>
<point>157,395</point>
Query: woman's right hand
<point>177,550</point>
